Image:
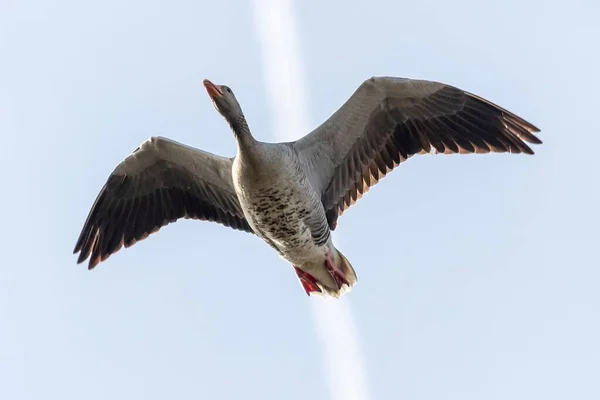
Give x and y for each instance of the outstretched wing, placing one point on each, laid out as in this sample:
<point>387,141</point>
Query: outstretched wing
<point>160,182</point>
<point>387,120</point>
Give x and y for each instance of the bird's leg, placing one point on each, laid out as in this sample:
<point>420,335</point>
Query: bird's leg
<point>335,272</point>
<point>309,283</point>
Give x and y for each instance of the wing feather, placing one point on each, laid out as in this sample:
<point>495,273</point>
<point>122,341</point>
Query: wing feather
<point>388,120</point>
<point>159,183</point>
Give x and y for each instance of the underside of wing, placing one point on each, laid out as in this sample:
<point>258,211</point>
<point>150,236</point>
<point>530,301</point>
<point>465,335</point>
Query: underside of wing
<point>388,120</point>
<point>159,183</point>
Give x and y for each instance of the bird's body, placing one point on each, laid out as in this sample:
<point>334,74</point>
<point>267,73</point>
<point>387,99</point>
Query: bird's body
<point>292,194</point>
<point>282,207</point>
<point>276,201</point>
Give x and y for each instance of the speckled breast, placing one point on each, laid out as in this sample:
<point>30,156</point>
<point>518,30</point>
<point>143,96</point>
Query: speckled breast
<point>276,214</point>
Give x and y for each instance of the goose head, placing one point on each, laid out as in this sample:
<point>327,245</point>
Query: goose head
<point>224,101</point>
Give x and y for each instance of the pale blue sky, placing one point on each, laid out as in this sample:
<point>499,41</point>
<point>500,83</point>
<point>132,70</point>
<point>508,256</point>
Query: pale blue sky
<point>478,275</point>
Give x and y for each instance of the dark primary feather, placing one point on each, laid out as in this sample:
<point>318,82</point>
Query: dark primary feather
<point>159,183</point>
<point>388,120</point>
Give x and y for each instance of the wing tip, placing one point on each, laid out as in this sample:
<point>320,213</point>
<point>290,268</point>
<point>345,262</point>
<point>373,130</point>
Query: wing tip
<point>535,140</point>
<point>93,263</point>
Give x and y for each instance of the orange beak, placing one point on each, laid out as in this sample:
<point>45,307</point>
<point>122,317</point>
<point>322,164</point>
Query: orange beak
<point>212,89</point>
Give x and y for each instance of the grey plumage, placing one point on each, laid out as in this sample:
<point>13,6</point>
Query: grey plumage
<point>292,194</point>
<point>160,182</point>
<point>388,120</point>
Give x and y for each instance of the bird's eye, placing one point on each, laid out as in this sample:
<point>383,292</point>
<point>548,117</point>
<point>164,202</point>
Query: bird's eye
<point>228,90</point>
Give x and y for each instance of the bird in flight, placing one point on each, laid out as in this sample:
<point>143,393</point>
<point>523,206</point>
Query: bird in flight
<point>292,194</point>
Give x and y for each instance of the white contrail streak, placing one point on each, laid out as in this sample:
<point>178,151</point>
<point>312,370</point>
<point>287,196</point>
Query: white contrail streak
<point>334,324</point>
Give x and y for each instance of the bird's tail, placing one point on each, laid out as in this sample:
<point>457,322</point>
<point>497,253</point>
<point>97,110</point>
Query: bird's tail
<point>331,277</point>
<point>344,265</point>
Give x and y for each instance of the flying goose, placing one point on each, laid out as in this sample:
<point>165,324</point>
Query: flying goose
<point>292,194</point>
